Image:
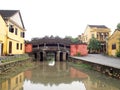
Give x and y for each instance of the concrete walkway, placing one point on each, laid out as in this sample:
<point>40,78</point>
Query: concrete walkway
<point>101,59</point>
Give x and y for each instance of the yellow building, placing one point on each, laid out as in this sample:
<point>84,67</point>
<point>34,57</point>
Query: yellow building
<point>100,32</point>
<point>4,85</point>
<point>113,43</point>
<point>15,32</point>
<point>3,38</point>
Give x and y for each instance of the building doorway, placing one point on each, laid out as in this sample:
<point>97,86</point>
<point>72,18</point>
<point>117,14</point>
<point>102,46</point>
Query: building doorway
<point>1,49</point>
<point>10,47</point>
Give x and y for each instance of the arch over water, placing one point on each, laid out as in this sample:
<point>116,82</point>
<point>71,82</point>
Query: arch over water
<point>46,47</point>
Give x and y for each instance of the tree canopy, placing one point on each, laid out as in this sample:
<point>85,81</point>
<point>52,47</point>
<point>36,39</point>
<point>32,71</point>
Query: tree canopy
<point>94,45</point>
<point>118,26</point>
<point>73,40</point>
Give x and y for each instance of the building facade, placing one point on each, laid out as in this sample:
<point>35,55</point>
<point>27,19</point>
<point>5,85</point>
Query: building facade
<point>114,43</point>
<point>13,31</point>
<point>3,38</point>
<point>100,32</point>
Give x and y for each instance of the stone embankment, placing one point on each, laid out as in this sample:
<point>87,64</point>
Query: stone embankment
<point>9,62</point>
<point>104,64</point>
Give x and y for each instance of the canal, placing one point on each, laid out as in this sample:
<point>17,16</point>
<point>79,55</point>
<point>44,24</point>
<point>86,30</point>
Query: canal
<point>52,75</point>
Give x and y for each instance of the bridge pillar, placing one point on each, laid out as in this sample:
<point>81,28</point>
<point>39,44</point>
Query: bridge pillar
<point>58,56</point>
<point>38,56</point>
<point>64,56</point>
<point>67,55</point>
<point>44,55</point>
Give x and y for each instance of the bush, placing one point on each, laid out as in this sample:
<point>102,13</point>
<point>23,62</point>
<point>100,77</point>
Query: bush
<point>118,53</point>
<point>78,54</point>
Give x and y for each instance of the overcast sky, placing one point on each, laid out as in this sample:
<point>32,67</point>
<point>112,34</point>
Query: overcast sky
<point>64,17</point>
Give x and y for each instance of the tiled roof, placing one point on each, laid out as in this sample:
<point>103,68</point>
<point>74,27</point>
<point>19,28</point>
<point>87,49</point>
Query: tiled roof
<point>49,40</point>
<point>97,26</point>
<point>8,13</point>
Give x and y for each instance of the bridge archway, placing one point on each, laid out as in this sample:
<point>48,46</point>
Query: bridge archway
<point>41,56</point>
<point>35,56</point>
<point>51,55</point>
<point>67,55</point>
<point>61,56</point>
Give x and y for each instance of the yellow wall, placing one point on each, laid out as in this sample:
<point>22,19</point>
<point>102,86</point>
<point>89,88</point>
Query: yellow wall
<point>15,39</point>
<point>89,31</point>
<point>113,40</point>
<point>4,85</point>
<point>87,34</point>
<point>3,38</point>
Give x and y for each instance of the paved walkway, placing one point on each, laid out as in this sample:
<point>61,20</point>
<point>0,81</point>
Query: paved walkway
<point>101,59</point>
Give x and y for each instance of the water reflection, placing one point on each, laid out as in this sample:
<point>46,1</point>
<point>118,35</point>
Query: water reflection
<point>74,73</point>
<point>59,76</point>
<point>51,62</point>
<point>59,73</point>
<point>97,81</point>
<point>75,85</point>
<point>62,76</point>
<point>13,83</point>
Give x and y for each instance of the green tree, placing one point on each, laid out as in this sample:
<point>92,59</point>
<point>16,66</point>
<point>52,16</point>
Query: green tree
<point>119,44</point>
<point>118,51</point>
<point>73,40</point>
<point>118,26</point>
<point>94,45</point>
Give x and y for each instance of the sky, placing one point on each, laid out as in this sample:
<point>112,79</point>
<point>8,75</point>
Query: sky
<point>64,17</point>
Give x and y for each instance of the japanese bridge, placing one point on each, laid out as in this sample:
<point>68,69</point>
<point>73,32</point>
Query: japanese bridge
<point>47,47</point>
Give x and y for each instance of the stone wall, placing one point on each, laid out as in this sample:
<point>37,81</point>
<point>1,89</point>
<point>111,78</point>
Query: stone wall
<point>6,67</point>
<point>110,71</point>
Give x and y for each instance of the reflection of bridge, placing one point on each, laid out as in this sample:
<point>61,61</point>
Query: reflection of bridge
<point>51,46</point>
<point>58,74</point>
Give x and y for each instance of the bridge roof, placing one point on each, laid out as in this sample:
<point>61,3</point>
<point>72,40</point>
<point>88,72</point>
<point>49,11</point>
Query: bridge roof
<point>52,40</point>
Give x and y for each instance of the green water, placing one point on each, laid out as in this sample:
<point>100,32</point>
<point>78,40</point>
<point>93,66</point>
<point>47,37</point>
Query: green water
<point>61,76</point>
